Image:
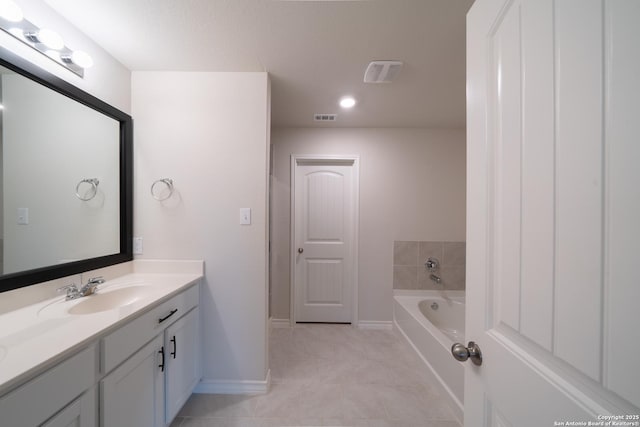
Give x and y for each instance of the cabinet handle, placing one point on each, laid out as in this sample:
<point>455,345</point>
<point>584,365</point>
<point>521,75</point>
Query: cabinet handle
<point>161,365</point>
<point>171,313</point>
<point>175,345</point>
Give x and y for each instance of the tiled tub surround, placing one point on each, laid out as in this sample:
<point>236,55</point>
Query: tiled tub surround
<point>409,271</point>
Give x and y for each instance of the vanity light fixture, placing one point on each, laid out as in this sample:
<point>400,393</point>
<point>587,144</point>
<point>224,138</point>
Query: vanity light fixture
<point>44,40</point>
<point>47,37</point>
<point>347,102</point>
<point>10,11</point>
<point>80,58</point>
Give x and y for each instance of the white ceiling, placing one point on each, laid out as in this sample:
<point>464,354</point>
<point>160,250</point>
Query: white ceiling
<point>315,51</point>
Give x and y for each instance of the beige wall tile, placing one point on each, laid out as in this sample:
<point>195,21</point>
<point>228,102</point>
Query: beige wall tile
<point>424,282</point>
<point>451,256</point>
<point>405,277</point>
<point>454,253</point>
<point>405,253</point>
<point>429,250</point>
<point>453,278</point>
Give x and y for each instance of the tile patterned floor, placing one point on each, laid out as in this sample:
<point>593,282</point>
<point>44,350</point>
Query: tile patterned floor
<point>331,375</point>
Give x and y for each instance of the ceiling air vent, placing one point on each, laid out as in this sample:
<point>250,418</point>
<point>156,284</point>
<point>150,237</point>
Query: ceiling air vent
<point>325,117</point>
<point>382,71</point>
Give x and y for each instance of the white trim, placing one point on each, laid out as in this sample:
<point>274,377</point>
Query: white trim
<point>234,387</point>
<point>347,158</point>
<point>386,325</point>
<point>280,323</point>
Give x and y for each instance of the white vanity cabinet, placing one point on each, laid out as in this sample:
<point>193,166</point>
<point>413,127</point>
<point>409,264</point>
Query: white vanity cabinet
<point>79,413</point>
<point>182,362</point>
<point>127,357</point>
<point>60,397</point>
<point>141,381</point>
<point>132,395</point>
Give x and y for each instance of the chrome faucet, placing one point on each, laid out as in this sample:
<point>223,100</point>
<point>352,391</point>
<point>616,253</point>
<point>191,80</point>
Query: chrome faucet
<point>87,289</point>
<point>435,278</point>
<point>91,286</point>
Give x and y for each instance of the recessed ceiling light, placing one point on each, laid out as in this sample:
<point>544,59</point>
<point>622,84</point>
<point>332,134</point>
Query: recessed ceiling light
<point>347,102</point>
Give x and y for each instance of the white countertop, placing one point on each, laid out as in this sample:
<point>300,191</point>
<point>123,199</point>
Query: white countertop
<point>35,337</point>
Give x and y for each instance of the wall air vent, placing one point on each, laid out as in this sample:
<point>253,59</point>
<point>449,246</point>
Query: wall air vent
<point>325,117</point>
<point>382,71</point>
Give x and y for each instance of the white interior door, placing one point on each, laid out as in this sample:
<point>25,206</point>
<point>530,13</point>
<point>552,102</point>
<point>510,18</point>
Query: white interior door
<point>324,238</point>
<point>553,207</point>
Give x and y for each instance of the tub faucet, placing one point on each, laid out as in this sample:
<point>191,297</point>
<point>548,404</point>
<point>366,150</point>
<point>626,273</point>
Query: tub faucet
<point>435,278</point>
<point>432,264</point>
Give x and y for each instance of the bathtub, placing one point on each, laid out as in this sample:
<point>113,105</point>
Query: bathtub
<point>432,329</point>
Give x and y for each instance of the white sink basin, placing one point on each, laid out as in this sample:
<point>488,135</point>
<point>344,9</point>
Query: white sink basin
<point>102,301</point>
<point>109,298</point>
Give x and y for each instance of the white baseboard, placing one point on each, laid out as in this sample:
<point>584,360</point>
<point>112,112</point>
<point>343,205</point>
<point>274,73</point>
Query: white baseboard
<point>280,323</point>
<point>375,324</point>
<point>234,387</point>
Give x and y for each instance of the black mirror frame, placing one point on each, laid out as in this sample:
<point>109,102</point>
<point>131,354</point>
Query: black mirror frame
<point>29,277</point>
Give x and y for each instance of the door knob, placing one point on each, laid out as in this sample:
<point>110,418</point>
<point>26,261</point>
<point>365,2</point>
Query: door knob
<point>300,250</point>
<point>462,353</point>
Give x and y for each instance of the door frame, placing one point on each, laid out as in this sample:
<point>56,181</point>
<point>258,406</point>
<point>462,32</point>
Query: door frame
<point>337,159</point>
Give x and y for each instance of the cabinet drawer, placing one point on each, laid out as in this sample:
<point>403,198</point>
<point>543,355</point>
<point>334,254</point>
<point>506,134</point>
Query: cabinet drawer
<point>36,401</point>
<point>122,343</point>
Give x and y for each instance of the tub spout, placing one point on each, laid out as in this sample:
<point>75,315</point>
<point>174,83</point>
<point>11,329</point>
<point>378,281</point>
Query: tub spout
<point>435,278</point>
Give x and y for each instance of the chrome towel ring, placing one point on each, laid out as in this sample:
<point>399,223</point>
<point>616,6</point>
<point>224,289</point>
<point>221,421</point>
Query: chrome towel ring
<point>91,192</point>
<point>157,193</point>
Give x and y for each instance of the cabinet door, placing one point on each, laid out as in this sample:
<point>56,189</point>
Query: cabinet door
<point>183,361</point>
<point>38,400</point>
<point>132,395</point>
<point>80,413</point>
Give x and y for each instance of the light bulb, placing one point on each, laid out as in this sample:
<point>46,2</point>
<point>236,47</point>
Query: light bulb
<point>50,38</point>
<point>81,59</point>
<point>10,11</point>
<point>347,102</point>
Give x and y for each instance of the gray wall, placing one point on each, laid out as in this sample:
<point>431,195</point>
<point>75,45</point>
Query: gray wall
<point>412,187</point>
<point>209,133</point>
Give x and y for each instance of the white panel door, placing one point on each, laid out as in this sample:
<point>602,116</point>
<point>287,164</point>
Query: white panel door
<point>324,232</point>
<point>552,211</point>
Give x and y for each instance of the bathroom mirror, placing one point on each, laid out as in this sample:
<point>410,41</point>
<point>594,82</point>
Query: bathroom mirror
<point>66,178</point>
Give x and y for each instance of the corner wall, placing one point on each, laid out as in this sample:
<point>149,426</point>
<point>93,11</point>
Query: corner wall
<point>208,132</point>
<point>412,187</point>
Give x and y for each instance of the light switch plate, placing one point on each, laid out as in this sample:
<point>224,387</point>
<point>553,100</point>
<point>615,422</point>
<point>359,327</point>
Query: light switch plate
<point>23,216</point>
<point>137,245</point>
<point>245,216</point>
